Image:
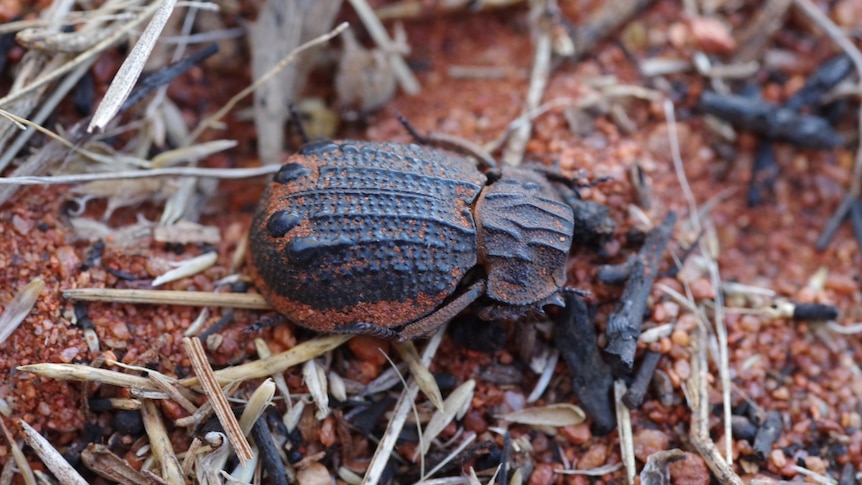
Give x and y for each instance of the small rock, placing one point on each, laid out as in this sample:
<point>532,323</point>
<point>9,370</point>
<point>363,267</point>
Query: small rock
<point>595,457</point>
<point>577,434</point>
<point>647,442</point>
<point>691,471</point>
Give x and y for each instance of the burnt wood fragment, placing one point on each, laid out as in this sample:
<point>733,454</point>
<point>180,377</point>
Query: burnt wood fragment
<point>764,173</point>
<point>269,456</point>
<point>767,435</point>
<point>624,324</point>
<point>591,377</point>
<point>772,122</point>
<point>634,397</point>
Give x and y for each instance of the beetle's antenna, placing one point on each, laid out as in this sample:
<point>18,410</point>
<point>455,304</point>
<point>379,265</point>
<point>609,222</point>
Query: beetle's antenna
<point>451,142</point>
<point>297,122</point>
<point>412,131</point>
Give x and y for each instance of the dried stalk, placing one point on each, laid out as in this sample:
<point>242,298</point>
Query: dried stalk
<point>195,352</point>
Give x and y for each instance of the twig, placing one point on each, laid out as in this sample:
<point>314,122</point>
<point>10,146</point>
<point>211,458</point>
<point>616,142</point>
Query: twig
<point>838,36</point>
<point>52,458</point>
<point>197,357</point>
<point>131,68</point>
<point>18,456</point>
<point>399,417</point>
<point>217,173</point>
<point>624,424</point>
<point>698,392</point>
<point>517,145</point>
<point>205,124</point>
<point>168,297</point>
<point>160,443</point>
<point>277,363</point>
<point>377,32</point>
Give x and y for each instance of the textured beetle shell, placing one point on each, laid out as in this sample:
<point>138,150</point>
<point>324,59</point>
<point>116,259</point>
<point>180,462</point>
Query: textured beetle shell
<point>363,232</point>
<point>525,234</point>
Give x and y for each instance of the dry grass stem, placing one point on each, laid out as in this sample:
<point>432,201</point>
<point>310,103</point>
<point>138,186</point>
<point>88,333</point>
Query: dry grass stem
<point>85,56</point>
<point>169,297</point>
<point>110,466</point>
<point>195,352</point>
<point>709,253</point>
<point>160,444</point>
<point>517,145</point>
<point>18,309</point>
<point>216,173</point>
<point>53,460</point>
<point>399,416</point>
<point>18,456</point>
<point>592,472</point>
<point>375,28</point>
<point>85,373</point>
<point>277,363</point>
<point>131,68</point>
<point>471,437</point>
<point>421,373</point>
<point>168,386</point>
<point>210,120</point>
<point>698,394</point>
<point>624,428</point>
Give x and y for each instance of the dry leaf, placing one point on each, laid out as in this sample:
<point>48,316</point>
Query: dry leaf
<point>557,415</point>
<point>455,405</point>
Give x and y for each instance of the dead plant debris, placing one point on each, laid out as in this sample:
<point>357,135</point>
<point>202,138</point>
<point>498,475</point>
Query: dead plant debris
<point>735,340</point>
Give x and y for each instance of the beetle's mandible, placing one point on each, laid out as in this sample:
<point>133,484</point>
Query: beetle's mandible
<point>394,240</point>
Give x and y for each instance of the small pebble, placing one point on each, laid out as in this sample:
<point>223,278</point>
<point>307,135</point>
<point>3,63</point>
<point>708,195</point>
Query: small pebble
<point>691,471</point>
<point>648,442</point>
<point>595,456</point>
<point>577,433</point>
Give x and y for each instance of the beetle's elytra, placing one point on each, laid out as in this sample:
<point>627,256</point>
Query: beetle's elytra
<point>394,240</point>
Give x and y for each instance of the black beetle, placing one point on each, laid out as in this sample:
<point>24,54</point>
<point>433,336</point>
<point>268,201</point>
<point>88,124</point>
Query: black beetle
<point>394,240</point>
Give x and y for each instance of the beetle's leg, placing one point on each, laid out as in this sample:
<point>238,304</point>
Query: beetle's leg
<point>296,117</point>
<point>593,223</point>
<point>425,326</point>
<point>370,329</point>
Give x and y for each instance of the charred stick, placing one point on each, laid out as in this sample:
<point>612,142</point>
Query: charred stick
<point>591,377</point>
<point>742,428</point>
<point>268,452</point>
<point>616,274</point>
<point>826,77</point>
<point>834,222</point>
<point>609,18</point>
<point>624,325</point>
<point>772,122</point>
<point>634,397</point>
<point>764,173</point>
<point>814,312</point>
<point>149,83</point>
<point>767,435</point>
